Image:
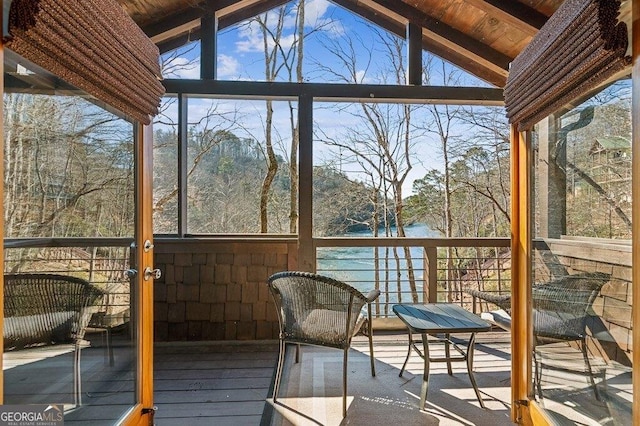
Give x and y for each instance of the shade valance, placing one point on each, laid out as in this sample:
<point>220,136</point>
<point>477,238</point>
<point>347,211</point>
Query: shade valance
<point>92,44</point>
<point>579,47</point>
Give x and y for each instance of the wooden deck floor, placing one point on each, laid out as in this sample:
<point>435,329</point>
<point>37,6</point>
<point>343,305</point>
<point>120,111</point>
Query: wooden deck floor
<point>214,384</point>
<point>228,383</point>
<point>222,384</point>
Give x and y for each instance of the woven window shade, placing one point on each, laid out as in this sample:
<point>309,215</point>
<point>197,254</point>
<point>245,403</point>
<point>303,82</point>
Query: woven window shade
<point>92,44</point>
<point>579,47</point>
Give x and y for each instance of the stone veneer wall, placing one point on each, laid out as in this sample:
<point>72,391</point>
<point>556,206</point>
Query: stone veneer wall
<point>215,289</point>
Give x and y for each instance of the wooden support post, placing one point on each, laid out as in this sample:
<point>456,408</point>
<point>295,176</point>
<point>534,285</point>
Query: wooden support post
<point>306,248</point>
<point>182,165</point>
<point>431,266</point>
<point>208,27</point>
<point>521,334</point>
<point>2,217</point>
<point>414,67</point>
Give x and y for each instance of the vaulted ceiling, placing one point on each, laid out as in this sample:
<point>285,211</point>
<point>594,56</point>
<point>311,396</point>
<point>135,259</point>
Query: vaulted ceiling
<point>479,36</point>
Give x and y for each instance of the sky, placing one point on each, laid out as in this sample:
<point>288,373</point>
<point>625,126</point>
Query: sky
<point>241,57</point>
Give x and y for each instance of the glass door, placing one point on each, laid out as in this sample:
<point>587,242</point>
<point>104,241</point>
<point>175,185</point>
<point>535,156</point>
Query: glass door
<point>581,287</point>
<point>77,311</point>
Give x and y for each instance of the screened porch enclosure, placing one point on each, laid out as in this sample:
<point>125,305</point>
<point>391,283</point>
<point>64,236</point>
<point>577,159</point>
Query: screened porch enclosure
<point>403,159</point>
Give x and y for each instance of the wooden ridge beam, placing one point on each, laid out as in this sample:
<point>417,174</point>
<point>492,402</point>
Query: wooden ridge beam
<point>513,13</point>
<point>444,34</point>
<point>396,24</point>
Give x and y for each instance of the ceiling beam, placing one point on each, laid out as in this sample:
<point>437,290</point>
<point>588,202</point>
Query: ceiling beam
<point>514,13</point>
<point>338,92</point>
<point>178,29</point>
<point>396,24</point>
<point>228,19</point>
<point>179,40</point>
<point>444,34</point>
<point>454,57</point>
<point>173,25</point>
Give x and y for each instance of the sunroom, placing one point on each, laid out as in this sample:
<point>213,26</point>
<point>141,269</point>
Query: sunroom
<point>171,156</point>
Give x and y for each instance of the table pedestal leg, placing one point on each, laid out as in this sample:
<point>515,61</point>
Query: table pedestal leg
<point>425,372</point>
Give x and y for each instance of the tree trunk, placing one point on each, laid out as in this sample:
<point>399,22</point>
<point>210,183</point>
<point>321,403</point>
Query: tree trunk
<point>272,169</point>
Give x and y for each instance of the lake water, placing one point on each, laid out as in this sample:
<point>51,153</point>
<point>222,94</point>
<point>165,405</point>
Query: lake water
<point>356,265</point>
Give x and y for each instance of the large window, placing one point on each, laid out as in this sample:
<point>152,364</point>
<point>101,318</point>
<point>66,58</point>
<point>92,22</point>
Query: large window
<point>237,165</point>
<point>410,170</point>
<point>165,168</point>
<point>582,259</point>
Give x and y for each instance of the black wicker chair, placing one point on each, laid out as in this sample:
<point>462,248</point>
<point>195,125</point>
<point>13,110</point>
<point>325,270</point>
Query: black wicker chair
<point>317,310</point>
<point>48,309</point>
<point>561,311</point>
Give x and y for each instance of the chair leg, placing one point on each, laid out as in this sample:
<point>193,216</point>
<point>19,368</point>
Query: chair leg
<point>297,353</point>
<point>77,380</point>
<point>344,382</point>
<point>373,360</point>
<point>281,353</point>
<point>583,346</point>
<point>537,375</point>
<point>110,347</point>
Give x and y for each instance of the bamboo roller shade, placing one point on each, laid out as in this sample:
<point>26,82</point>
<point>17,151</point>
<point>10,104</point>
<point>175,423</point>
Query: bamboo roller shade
<point>94,45</point>
<point>579,47</point>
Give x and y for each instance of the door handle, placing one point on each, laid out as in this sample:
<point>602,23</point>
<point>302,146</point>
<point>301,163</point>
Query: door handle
<point>152,273</point>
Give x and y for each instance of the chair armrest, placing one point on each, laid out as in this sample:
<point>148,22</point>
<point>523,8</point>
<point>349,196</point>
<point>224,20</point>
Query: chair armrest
<point>372,295</point>
<point>503,301</point>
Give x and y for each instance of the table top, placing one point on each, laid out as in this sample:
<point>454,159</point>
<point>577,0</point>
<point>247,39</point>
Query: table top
<point>440,318</point>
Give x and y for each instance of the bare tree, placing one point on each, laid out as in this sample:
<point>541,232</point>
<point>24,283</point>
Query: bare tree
<point>283,53</point>
<point>64,157</point>
<point>382,144</point>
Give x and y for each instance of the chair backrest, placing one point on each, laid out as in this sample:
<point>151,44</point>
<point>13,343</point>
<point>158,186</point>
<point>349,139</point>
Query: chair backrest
<point>561,307</point>
<point>46,308</point>
<point>315,309</point>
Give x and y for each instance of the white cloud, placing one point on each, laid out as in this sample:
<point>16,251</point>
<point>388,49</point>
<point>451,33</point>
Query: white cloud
<point>362,78</point>
<point>334,29</point>
<point>314,11</point>
<point>227,66</point>
<point>287,41</point>
<point>181,67</point>
<point>253,42</point>
<point>250,37</point>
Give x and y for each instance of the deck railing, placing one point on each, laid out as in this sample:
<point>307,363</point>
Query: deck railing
<point>102,261</point>
<point>406,270</point>
<point>417,270</point>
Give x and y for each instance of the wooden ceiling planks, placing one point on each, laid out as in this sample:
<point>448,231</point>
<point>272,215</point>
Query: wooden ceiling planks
<point>513,13</point>
<point>145,12</point>
<point>480,20</point>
